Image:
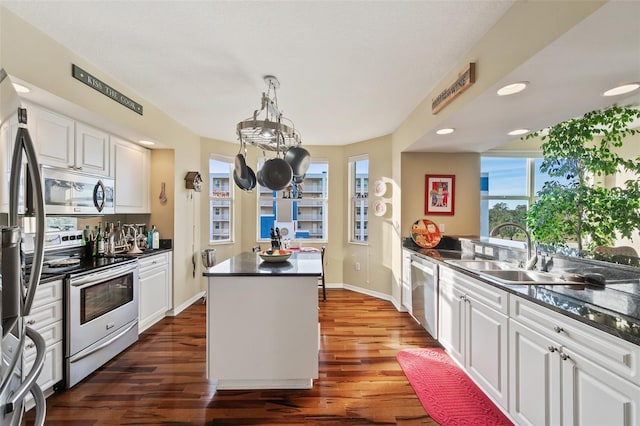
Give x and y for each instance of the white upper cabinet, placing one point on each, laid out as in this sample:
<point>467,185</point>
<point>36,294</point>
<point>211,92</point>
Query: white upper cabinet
<point>91,150</point>
<point>130,169</point>
<point>63,142</point>
<point>53,135</point>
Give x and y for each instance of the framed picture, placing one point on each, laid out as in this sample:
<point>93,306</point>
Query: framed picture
<point>439,194</point>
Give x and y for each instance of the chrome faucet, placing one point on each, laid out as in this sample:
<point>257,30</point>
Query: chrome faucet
<point>532,258</point>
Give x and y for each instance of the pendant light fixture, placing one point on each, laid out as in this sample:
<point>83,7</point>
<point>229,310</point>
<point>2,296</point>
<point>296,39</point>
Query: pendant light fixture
<point>267,129</point>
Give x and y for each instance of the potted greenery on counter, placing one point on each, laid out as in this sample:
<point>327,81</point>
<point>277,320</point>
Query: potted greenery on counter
<point>574,207</point>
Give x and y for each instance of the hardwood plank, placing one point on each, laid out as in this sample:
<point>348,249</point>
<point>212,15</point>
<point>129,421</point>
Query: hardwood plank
<point>161,379</point>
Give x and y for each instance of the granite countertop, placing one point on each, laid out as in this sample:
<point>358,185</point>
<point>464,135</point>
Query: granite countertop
<point>92,263</point>
<point>250,264</point>
<point>614,308</point>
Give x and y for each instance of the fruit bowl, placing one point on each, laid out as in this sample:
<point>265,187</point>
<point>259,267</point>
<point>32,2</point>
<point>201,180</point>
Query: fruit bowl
<point>274,256</point>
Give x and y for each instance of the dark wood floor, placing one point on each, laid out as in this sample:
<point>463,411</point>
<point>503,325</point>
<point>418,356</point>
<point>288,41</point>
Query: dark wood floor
<point>161,379</point>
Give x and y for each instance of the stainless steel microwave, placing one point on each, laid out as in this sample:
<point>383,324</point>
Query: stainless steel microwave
<point>67,192</point>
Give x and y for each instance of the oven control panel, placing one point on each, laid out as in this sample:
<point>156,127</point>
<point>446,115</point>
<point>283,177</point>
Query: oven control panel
<point>53,240</point>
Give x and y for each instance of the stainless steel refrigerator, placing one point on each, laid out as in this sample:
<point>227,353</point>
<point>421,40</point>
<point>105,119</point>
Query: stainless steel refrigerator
<point>17,293</point>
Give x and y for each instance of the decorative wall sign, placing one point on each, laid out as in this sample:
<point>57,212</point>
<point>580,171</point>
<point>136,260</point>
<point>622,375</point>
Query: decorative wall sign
<point>80,74</point>
<point>465,79</point>
<point>439,194</point>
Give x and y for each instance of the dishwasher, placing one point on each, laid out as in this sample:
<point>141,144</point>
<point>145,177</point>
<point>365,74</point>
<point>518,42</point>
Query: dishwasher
<point>424,293</point>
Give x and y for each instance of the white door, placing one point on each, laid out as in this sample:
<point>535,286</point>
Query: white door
<point>593,396</point>
<point>452,320</point>
<point>91,150</point>
<point>486,354</point>
<point>534,377</point>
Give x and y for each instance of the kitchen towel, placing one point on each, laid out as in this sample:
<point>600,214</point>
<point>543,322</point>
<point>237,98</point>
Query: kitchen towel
<point>447,394</point>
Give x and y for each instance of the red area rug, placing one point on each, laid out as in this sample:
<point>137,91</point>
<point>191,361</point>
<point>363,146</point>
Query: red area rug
<point>445,391</point>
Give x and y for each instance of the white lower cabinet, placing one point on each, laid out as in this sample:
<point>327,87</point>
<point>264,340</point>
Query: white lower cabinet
<point>406,279</point>
<point>155,289</point>
<point>563,372</point>
<point>473,330</point>
<point>46,319</point>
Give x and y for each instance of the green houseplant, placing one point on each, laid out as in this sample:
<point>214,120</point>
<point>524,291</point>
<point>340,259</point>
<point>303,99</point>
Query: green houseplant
<point>573,207</point>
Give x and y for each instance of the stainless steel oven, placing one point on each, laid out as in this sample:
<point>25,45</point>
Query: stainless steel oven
<point>102,318</point>
<point>68,192</point>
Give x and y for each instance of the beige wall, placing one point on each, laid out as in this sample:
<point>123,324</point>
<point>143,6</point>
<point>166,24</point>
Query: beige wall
<point>465,167</point>
<point>31,56</point>
<point>376,268</point>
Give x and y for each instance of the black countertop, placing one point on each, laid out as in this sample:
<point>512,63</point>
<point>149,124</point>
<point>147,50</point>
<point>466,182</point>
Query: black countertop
<point>614,308</point>
<point>250,264</point>
<point>88,264</point>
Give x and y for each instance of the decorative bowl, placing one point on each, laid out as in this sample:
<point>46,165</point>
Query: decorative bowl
<point>274,256</point>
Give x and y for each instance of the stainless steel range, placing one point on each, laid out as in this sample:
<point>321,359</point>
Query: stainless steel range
<point>101,302</point>
<point>101,317</point>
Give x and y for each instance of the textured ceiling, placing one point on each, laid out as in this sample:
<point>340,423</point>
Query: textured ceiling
<point>349,70</point>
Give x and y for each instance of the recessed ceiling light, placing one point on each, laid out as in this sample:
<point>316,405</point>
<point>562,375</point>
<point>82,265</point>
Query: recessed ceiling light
<point>148,143</point>
<point>445,131</point>
<point>621,90</point>
<point>20,88</point>
<point>510,89</point>
<point>517,132</point>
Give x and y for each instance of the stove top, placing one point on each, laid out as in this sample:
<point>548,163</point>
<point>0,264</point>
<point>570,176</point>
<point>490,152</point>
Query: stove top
<point>65,254</point>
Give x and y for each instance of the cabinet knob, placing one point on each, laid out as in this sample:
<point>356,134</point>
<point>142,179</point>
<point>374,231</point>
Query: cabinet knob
<point>558,329</point>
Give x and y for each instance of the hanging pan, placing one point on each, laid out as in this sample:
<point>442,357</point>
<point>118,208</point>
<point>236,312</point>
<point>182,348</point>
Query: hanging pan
<point>299,159</point>
<point>240,167</point>
<point>276,174</point>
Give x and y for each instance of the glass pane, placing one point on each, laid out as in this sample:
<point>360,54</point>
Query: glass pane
<point>501,211</point>
<point>220,201</point>
<point>220,219</point>
<point>540,177</point>
<point>359,209</point>
<point>310,219</point>
<point>361,178</point>
<point>507,176</point>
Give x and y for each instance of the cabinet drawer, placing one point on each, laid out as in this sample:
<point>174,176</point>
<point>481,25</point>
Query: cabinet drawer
<point>51,334</point>
<point>44,315</point>
<point>484,293</point>
<point>617,355</point>
<point>47,293</point>
<point>153,261</point>
<point>52,370</point>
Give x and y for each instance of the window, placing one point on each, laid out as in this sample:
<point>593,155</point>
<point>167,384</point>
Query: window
<point>359,193</point>
<point>300,211</point>
<point>220,199</point>
<point>508,185</point>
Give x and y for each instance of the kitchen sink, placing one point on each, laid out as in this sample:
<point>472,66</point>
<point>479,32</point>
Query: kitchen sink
<point>521,276</point>
<point>482,265</point>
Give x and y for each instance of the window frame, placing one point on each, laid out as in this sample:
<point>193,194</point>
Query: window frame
<point>323,199</point>
<point>528,199</point>
<point>354,199</point>
<point>230,199</point>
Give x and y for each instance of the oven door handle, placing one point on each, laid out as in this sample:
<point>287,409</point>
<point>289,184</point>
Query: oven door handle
<point>81,355</point>
<point>103,276</point>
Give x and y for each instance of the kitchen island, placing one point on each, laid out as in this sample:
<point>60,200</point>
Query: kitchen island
<point>262,322</point>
